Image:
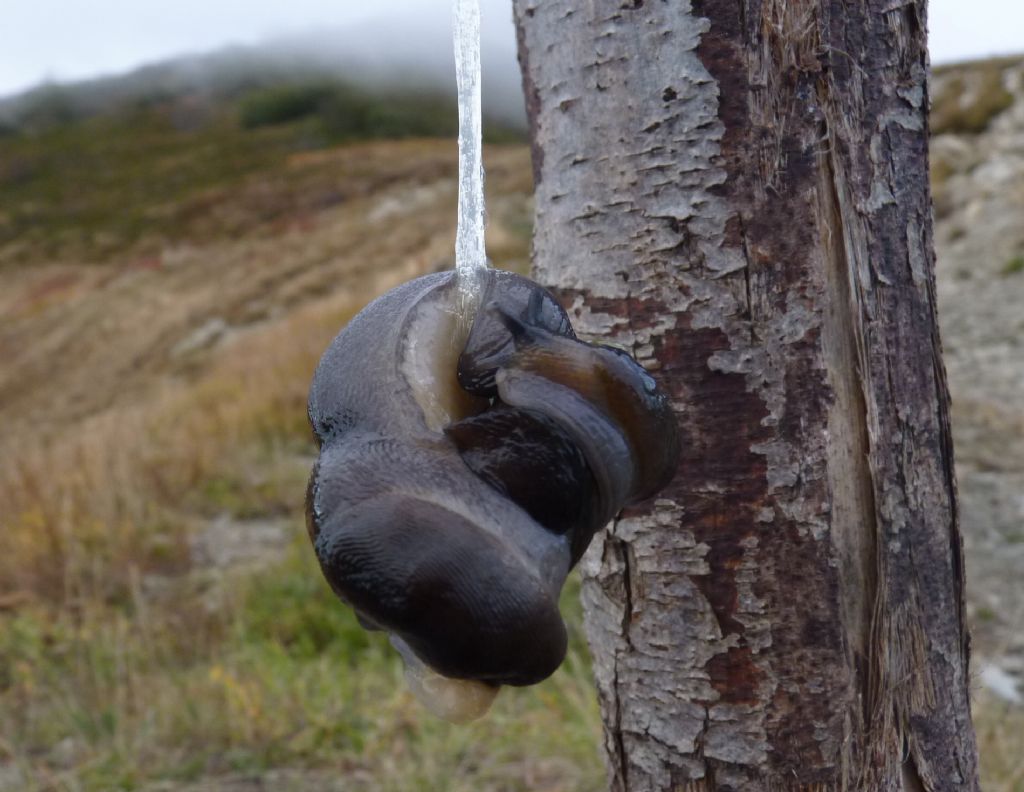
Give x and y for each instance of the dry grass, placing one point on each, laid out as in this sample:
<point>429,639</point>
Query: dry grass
<point>1000,730</point>
<point>117,410</point>
<point>121,660</point>
<point>77,339</point>
<point>92,506</point>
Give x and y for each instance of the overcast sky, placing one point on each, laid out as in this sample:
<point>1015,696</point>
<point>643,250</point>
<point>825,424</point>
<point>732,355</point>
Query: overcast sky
<point>74,39</point>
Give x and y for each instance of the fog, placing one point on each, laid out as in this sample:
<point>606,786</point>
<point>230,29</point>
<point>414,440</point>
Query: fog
<point>73,40</point>
<point>413,51</point>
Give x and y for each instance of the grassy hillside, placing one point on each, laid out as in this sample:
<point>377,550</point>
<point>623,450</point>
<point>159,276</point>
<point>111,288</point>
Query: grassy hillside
<point>82,184</point>
<point>166,290</point>
<point>170,272</point>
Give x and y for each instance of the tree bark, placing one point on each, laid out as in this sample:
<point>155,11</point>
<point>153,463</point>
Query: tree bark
<point>738,191</point>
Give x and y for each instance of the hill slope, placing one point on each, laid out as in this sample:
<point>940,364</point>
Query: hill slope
<point>168,279</point>
<point>978,183</point>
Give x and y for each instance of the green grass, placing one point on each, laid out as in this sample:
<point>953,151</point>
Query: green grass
<point>92,188</point>
<point>267,484</point>
<point>1014,266</point>
<point>278,674</point>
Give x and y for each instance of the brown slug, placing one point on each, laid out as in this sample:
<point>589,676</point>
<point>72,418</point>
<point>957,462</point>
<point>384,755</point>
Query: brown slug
<point>464,470</point>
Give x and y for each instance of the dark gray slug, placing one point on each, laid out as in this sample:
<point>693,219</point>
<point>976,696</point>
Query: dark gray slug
<point>464,469</point>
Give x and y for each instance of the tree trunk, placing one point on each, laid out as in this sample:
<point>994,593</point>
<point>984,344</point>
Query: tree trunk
<point>738,191</point>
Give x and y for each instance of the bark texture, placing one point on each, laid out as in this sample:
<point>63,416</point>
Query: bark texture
<point>737,190</point>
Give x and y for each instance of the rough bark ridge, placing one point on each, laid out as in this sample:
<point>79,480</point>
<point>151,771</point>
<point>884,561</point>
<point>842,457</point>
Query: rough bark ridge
<point>737,190</point>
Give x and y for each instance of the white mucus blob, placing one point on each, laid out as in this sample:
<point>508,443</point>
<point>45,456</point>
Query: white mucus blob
<point>454,700</point>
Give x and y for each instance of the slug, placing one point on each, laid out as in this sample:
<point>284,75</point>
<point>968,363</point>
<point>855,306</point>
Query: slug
<point>463,470</point>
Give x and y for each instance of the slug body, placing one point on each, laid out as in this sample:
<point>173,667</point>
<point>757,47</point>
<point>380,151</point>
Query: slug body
<point>463,470</point>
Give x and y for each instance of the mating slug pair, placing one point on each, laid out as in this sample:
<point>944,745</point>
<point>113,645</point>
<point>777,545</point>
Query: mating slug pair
<point>463,471</point>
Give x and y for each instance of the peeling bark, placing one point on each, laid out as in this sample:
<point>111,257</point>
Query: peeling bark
<point>737,189</point>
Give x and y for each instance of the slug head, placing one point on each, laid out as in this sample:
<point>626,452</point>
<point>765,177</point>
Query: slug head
<point>601,398</point>
<point>506,297</point>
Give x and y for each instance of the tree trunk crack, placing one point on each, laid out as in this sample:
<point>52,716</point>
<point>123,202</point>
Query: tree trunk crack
<point>618,735</point>
<point>747,275</point>
<point>627,586</point>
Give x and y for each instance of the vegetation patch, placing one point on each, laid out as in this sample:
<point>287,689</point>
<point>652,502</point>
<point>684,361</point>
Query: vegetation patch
<point>87,185</point>
<point>970,100</point>
<point>999,726</point>
<point>344,112</point>
<point>266,671</point>
<point>283,103</point>
<point>1014,266</point>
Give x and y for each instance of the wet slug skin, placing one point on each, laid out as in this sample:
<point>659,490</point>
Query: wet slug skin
<point>464,468</point>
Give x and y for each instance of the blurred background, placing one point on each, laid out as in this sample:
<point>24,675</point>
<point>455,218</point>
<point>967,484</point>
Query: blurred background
<point>194,197</point>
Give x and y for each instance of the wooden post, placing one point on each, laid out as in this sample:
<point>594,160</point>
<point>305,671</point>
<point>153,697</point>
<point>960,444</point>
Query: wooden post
<point>738,191</point>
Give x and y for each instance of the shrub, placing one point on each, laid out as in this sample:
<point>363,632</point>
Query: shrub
<point>284,103</point>
<point>351,115</point>
<point>343,113</point>
<point>47,107</point>
<point>970,101</point>
<point>1014,266</point>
